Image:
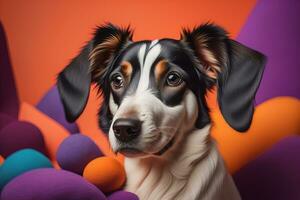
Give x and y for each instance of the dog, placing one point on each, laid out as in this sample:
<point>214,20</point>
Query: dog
<point>155,111</point>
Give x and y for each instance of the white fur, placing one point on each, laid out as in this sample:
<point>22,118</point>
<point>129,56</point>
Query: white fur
<point>193,170</point>
<point>154,42</point>
<point>146,67</point>
<point>113,107</point>
<point>141,55</point>
<point>160,122</point>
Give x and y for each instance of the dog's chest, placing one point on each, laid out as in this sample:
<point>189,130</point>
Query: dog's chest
<point>152,180</point>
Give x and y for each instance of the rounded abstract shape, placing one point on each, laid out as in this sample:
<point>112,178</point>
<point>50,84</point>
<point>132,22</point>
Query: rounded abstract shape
<point>1,160</point>
<point>124,195</point>
<point>51,105</point>
<point>273,120</point>
<point>257,179</point>
<point>52,131</point>
<point>283,56</point>
<point>50,184</point>
<point>106,173</point>
<point>5,120</point>
<point>20,135</point>
<point>9,101</point>
<point>75,152</point>
<point>21,162</point>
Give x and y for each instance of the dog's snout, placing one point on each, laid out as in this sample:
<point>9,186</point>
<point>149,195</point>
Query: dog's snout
<point>127,129</point>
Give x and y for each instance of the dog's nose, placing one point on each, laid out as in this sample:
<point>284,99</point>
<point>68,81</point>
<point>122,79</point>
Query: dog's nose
<point>126,129</point>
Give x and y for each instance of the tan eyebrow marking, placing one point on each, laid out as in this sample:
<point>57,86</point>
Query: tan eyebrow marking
<point>160,69</point>
<point>126,68</point>
<point>100,54</point>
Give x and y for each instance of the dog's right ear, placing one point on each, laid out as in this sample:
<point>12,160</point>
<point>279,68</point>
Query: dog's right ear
<point>89,66</point>
<point>236,70</point>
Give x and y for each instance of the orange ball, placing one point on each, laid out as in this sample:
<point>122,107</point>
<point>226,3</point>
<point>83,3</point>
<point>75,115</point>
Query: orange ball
<point>1,160</point>
<point>106,173</point>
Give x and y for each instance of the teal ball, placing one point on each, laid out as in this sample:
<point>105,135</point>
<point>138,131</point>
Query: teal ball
<point>20,162</point>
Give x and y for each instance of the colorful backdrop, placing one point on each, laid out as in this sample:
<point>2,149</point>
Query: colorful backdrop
<point>44,35</point>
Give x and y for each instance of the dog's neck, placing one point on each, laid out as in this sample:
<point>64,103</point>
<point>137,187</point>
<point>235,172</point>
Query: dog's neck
<point>187,171</point>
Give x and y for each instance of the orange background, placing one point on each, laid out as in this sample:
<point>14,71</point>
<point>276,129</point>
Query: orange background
<point>43,35</point>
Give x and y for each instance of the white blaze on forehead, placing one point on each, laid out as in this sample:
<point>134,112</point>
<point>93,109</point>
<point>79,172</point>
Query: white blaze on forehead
<point>154,42</point>
<point>151,56</point>
<point>146,61</point>
<point>141,55</point>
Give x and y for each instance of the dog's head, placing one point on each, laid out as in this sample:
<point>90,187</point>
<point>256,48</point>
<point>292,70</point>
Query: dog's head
<point>154,91</point>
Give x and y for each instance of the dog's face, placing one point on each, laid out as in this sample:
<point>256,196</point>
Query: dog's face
<point>154,91</point>
<point>151,97</point>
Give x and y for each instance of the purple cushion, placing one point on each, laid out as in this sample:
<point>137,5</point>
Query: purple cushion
<point>273,28</point>
<point>50,184</point>
<point>123,195</point>
<point>75,152</point>
<point>20,135</point>
<point>9,102</point>
<point>274,175</point>
<point>52,106</point>
<point>5,120</point>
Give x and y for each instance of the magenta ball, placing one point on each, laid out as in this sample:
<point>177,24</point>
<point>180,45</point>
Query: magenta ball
<point>20,135</point>
<point>5,120</point>
<point>75,152</point>
<point>52,106</point>
<point>124,195</point>
<point>50,184</point>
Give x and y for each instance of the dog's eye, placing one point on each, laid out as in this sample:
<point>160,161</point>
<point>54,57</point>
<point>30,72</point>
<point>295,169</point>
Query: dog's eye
<point>117,81</point>
<point>174,79</point>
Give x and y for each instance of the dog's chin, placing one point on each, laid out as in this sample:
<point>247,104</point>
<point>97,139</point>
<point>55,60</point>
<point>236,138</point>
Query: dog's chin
<point>131,152</point>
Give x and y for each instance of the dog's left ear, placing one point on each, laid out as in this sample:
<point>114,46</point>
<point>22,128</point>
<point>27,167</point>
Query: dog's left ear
<point>90,66</point>
<point>236,70</point>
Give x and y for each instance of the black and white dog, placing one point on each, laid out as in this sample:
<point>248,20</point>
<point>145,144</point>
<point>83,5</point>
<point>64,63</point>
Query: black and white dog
<point>154,109</point>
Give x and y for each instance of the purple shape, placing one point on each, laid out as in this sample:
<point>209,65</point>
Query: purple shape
<point>52,106</point>
<point>5,120</point>
<point>273,28</point>
<point>50,184</point>
<point>20,135</point>
<point>124,195</point>
<point>274,175</point>
<point>9,102</point>
<point>75,152</point>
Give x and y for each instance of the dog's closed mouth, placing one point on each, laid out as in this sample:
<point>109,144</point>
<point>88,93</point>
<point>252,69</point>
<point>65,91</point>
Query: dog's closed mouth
<point>131,152</point>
